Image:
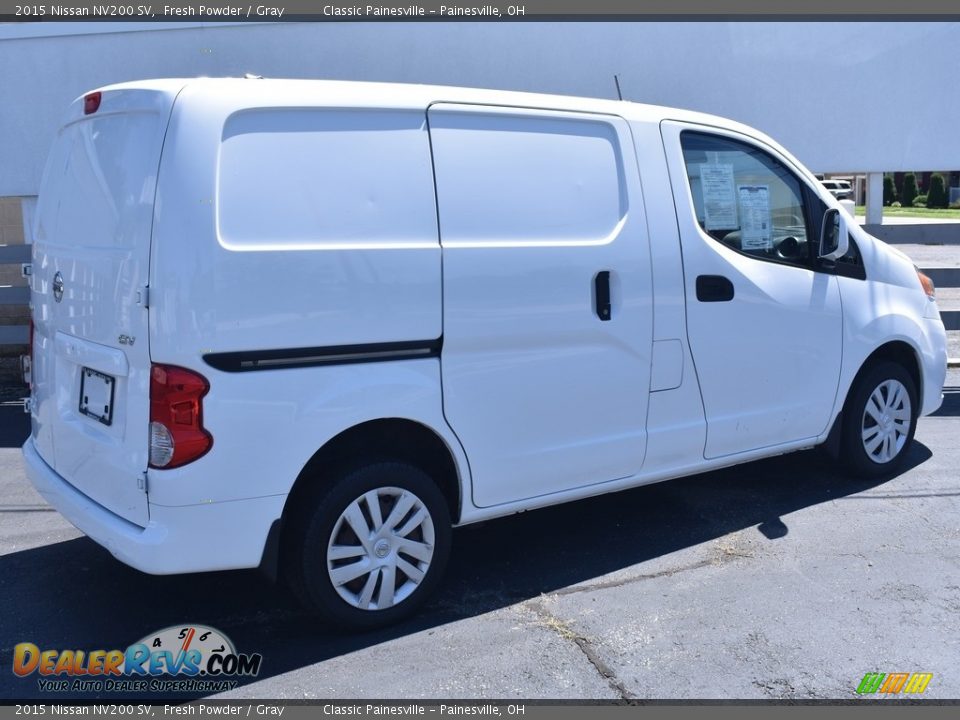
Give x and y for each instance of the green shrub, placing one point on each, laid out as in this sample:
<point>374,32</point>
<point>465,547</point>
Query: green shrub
<point>896,203</point>
<point>919,201</point>
<point>889,190</point>
<point>909,191</point>
<point>937,194</point>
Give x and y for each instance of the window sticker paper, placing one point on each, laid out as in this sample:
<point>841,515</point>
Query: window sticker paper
<point>755,221</point>
<point>719,197</point>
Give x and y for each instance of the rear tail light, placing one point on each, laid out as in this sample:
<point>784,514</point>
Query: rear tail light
<point>177,435</point>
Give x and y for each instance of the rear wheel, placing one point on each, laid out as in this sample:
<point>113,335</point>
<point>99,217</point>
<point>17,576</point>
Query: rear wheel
<point>372,547</point>
<point>879,421</point>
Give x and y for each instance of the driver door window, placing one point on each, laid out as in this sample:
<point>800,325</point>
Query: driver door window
<point>747,199</point>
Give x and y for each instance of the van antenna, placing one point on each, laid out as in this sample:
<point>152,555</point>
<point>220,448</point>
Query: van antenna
<point>616,79</point>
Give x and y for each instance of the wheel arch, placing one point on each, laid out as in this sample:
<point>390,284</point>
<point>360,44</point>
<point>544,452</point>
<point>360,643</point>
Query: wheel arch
<point>899,351</point>
<point>381,439</point>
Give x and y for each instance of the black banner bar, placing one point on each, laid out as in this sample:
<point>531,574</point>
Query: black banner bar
<point>311,10</point>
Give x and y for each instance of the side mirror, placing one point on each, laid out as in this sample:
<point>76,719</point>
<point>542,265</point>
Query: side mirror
<point>834,237</point>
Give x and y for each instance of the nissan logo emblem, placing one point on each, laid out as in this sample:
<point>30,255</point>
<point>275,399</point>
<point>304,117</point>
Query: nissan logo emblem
<point>58,287</point>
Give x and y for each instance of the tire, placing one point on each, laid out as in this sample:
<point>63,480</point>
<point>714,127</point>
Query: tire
<point>879,421</point>
<point>408,544</point>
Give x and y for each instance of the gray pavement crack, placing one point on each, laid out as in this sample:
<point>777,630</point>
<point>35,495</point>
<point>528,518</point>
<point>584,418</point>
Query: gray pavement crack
<point>635,578</point>
<point>586,646</point>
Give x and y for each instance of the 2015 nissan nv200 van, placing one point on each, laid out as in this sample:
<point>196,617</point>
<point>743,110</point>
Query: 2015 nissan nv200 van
<point>314,325</point>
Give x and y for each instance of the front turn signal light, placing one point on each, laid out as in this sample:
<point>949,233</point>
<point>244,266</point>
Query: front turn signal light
<point>927,284</point>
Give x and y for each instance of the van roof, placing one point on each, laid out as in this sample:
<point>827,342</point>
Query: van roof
<point>409,96</point>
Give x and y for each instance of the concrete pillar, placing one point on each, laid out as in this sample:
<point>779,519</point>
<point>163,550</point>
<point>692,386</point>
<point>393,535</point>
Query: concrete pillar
<point>28,207</point>
<point>874,198</point>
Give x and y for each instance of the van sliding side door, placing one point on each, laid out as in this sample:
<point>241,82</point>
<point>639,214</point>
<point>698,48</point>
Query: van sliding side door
<point>546,296</point>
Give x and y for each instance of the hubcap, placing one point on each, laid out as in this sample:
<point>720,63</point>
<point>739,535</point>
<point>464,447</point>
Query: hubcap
<point>886,421</point>
<point>380,548</point>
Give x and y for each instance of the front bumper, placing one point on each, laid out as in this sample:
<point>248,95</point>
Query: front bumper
<point>194,538</point>
<point>934,364</point>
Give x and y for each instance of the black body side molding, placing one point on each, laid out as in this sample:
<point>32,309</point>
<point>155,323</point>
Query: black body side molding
<point>249,360</point>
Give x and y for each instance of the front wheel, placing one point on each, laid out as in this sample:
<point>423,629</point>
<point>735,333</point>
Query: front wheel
<point>879,421</point>
<point>373,546</point>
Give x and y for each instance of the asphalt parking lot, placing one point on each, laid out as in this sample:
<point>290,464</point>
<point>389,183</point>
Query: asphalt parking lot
<point>777,579</point>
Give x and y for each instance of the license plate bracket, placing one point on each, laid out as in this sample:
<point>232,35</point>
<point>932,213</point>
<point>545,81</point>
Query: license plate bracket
<point>96,395</point>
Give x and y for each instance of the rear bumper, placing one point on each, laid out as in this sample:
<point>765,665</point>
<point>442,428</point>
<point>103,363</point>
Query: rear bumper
<point>195,538</point>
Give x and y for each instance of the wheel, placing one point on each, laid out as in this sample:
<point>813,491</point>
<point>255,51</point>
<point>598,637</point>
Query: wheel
<point>370,547</point>
<point>879,421</point>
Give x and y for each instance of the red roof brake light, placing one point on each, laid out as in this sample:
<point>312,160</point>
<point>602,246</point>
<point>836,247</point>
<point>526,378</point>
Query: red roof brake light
<point>91,103</point>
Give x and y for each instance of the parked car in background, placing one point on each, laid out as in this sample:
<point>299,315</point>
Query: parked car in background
<point>840,189</point>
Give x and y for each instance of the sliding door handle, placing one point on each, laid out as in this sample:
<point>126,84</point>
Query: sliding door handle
<point>601,295</point>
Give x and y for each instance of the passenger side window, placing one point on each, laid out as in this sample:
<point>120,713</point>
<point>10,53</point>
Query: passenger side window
<point>747,199</point>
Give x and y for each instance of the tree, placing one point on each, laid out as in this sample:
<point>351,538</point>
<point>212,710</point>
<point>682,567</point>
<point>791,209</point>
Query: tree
<point>937,196</point>
<point>889,190</point>
<point>909,191</point>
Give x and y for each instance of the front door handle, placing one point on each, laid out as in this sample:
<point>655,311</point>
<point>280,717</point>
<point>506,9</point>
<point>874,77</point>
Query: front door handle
<point>601,294</point>
<point>714,288</point>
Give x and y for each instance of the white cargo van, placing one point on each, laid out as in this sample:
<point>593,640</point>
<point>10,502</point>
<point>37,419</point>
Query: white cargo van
<point>310,326</point>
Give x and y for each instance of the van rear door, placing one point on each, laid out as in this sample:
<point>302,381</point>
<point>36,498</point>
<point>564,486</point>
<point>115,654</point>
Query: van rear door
<point>90,407</point>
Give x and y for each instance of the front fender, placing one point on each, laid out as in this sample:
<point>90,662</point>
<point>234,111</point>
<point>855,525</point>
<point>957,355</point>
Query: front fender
<point>925,337</point>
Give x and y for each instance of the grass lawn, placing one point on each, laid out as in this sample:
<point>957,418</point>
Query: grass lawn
<point>948,214</point>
